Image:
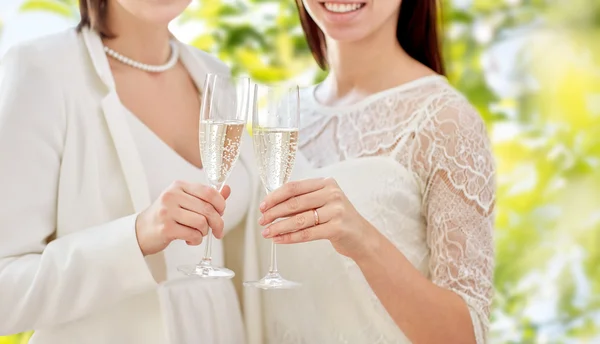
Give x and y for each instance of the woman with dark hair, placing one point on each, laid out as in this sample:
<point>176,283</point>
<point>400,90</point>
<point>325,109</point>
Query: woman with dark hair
<point>395,170</point>
<point>96,126</point>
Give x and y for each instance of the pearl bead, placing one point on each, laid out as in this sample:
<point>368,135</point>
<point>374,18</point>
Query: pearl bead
<point>145,67</point>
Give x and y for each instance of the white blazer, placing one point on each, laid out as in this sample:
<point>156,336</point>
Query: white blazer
<point>71,185</point>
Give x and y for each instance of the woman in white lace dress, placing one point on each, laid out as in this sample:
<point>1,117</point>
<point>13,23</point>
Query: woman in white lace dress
<point>395,170</point>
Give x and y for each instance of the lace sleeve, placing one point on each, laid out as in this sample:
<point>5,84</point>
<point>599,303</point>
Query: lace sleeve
<point>455,164</point>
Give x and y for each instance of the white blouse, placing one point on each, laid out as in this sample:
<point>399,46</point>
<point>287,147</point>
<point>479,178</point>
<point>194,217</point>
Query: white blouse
<point>163,166</point>
<point>194,310</point>
<point>415,161</point>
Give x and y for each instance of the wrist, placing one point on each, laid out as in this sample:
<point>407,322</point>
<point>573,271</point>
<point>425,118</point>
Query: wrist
<point>138,224</point>
<point>371,244</point>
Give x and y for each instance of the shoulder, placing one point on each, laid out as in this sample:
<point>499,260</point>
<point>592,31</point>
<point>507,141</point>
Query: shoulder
<point>32,79</point>
<point>46,54</point>
<point>453,140</point>
<point>450,111</point>
<point>214,64</point>
<point>456,134</point>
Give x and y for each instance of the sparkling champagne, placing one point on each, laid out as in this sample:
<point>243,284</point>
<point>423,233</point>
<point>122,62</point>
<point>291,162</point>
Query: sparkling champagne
<point>275,150</point>
<point>219,148</point>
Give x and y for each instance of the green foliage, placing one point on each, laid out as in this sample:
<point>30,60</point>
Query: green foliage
<point>64,8</point>
<point>273,51</point>
<point>547,273</point>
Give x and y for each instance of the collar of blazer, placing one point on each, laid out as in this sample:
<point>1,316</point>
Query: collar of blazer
<point>126,149</point>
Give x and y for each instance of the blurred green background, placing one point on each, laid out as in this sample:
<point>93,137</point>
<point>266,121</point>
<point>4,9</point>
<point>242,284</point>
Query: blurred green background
<point>532,68</point>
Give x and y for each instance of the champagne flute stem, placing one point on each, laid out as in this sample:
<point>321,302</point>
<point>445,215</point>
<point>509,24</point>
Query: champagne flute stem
<point>206,260</point>
<point>273,267</point>
<point>208,249</point>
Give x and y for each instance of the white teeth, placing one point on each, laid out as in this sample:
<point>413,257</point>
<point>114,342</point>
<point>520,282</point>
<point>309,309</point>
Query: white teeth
<point>342,8</point>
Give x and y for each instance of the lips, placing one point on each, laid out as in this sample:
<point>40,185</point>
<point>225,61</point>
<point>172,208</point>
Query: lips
<point>343,7</point>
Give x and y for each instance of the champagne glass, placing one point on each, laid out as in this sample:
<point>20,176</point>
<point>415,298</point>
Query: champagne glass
<point>223,116</point>
<point>275,136</point>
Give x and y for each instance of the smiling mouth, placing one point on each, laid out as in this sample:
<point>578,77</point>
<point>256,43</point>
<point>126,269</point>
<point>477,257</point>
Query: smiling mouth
<point>348,7</point>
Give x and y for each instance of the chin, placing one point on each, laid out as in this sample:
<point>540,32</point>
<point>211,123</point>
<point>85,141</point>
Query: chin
<point>159,17</point>
<point>158,12</point>
<point>351,20</point>
<point>345,34</point>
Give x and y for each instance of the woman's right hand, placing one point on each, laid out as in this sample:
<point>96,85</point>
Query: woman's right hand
<point>184,211</point>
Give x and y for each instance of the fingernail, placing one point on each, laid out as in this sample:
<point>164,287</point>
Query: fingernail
<point>266,232</point>
<point>277,239</point>
<point>262,206</point>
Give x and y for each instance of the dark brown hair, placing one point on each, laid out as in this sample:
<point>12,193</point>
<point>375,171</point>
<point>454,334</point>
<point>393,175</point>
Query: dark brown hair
<point>417,32</point>
<point>93,15</point>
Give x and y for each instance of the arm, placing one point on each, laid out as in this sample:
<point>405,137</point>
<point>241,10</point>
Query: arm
<point>44,284</point>
<point>456,164</point>
<point>427,311</point>
<point>453,158</point>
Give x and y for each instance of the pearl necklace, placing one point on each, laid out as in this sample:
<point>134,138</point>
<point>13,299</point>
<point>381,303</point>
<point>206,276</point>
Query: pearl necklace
<point>146,67</point>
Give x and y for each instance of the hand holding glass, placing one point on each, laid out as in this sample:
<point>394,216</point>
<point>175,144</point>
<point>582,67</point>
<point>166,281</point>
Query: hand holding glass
<point>224,111</point>
<point>275,136</point>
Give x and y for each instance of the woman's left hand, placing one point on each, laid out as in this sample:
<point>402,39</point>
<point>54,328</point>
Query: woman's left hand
<point>317,209</point>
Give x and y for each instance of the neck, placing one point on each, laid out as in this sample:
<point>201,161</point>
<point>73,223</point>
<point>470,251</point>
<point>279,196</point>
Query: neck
<point>366,66</point>
<point>141,41</point>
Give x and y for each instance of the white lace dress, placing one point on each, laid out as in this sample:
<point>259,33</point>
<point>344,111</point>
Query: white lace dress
<point>415,161</point>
